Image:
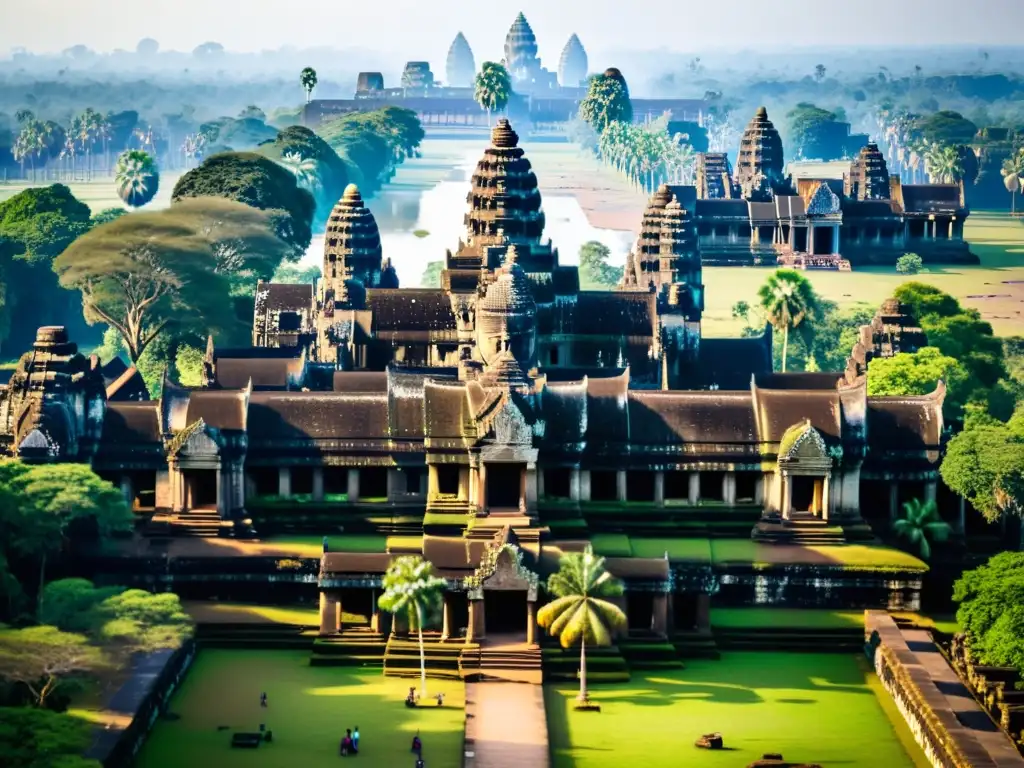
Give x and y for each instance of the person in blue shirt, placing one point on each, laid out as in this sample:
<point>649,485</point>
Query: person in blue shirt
<point>355,739</point>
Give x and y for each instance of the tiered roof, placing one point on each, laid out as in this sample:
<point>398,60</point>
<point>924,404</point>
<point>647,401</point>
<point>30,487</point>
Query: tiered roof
<point>417,74</point>
<point>760,163</point>
<point>572,64</point>
<point>352,241</point>
<point>460,68</point>
<point>714,176</point>
<point>648,247</point>
<point>521,49</point>
<point>679,254</point>
<point>869,175</point>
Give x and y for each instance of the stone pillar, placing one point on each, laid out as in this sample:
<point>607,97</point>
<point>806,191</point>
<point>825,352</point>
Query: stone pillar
<point>374,612</point>
<point>825,500</point>
<point>446,618</point>
<point>330,613</point>
<point>659,488</point>
<point>531,481</point>
<point>353,485</point>
<point>620,485</point>
<point>476,631</point>
<point>759,489</point>
<point>163,489</point>
<point>931,489</point>
<point>835,239</point>
<point>318,483</point>
<point>694,487</point>
<point>729,488</point>
<point>894,498</point>
<point>222,502</point>
<point>786,503</point>
<point>127,491</point>
<point>531,622</point>
<point>574,483</point>
<point>284,482</point>
<point>703,612</point>
<point>659,615</point>
<point>585,485</point>
<point>540,481</point>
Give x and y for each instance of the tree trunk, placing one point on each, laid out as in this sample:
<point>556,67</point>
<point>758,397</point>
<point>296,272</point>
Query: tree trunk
<point>583,694</point>
<point>423,657</point>
<point>1013,203</point>
<point>785,345</point>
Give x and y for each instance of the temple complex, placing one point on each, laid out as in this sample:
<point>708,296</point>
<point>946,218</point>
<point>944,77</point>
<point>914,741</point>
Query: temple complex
<point>758,215</point>
<point>503,419</point>
<point>539,96</point>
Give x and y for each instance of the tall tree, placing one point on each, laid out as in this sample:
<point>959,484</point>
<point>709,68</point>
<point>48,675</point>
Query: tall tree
<point>42,657</point>
<point>492,87</point>
<point>411,588</point>
<point>787,300</point>
<point>918,373</point>
<point>136,177</point>
<point>1012,172</point>
<point>582,611</point>
<point>308,80</point>
<point>607,101</point>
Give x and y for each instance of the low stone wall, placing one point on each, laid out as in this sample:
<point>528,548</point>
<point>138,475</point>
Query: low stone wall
<point>142,698</point>
<point>946,741</point>
<point>816,586</point>
<point>995,687</point>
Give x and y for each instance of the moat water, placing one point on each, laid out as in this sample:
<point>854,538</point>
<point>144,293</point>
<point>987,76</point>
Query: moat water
<point>417,226</point>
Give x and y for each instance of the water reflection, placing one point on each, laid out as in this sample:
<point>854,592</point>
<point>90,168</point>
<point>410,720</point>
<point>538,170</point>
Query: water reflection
<point>440,211</point>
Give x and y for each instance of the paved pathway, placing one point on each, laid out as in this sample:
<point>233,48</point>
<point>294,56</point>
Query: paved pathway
<point>506,726</point>
<point>966,709</point>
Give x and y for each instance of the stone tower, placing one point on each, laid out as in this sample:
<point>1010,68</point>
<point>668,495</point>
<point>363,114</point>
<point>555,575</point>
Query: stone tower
<point>521,50</point>
<point>572,64</point>
<point>760,164</point>
<point>504,201</point>
<point>869,175</point>
<point>648,245</point>
<point>417,74</point>
<point>460,69</point>
<point>679,254</point>
<point>506,316</point>
<point>352,248</point>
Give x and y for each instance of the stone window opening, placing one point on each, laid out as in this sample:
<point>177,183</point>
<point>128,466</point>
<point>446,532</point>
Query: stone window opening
<point>413,479</point>
<point>302,481</point>
<point>746,487</point>
<point>604,485</point>
<point>289,321</point>
<point>553,356</point>
<point>677,485</point>
<point>640,486</point>
<point>447,476</point>
<point>264,480</point>
<point>373,483</point>
<point>336,481</point>
<point>712,486</point>
<point>557,483</point>
<point>505,486</point>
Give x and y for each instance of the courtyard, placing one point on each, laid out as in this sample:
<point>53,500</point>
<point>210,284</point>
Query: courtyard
<point>308,710</point>
<point>817,708</point>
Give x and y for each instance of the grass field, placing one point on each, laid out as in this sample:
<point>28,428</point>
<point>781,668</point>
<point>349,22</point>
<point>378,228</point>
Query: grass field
<point>815,708</point>
<point>309,710</point>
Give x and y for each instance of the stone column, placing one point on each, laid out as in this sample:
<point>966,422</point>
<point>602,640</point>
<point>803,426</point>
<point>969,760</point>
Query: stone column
<point>759,489</point>
<point>221,494</point>
<point>330,613</point>
<point>126,490</point>
<point>530,491</point>
<point>585,485</point>
<point>374,612</point>
<point>284,482</point>
<point>703,612</point>
<point>894,498</point>
<point>835,239</point>
<point>825,500</point>
<point>620,485</point>
<point>694,488</point>
<point>476,631</point>
<point>318,483</point>
<point>574,483</point>
<point>659,615</point>
<point>531,622</point>
<point>786,502</point>
<point>540,481</point>
<point>659,488</point>
<point>729,488</point>
<point>446,619</point>
<point>931,489</point>
<point>353,485</point>
<point>163,489</point>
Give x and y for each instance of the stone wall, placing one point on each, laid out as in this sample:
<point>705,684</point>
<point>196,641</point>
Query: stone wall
<point>996,688</point>
<point>143,697</point>
<point>946,741</point>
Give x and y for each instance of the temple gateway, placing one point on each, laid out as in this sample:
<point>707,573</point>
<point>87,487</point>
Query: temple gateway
<point>501,420</point>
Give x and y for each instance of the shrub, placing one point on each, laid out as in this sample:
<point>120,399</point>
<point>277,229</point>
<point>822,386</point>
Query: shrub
<point>909,264</point>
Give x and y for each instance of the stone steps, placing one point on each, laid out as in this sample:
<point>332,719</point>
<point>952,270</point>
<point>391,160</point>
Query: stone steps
<point>355,647</point>
<point>808,640</point>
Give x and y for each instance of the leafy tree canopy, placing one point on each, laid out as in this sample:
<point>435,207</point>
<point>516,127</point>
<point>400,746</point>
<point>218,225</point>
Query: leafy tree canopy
<point>918,373</point>
<point>432,275</point>
<point>946,127</point>
<point>595,271</point>
<point>40,738</point>
<point>40,222</point>
<point>607,101</point>
<point>332,175</point>
<point>990,599</point>
<point>259,182</point>
<point>43,657</point>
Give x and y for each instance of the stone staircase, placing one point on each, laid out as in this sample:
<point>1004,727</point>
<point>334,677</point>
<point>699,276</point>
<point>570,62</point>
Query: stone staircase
<point>801,528</point>
<point>199,523</point>
<point>353,647</point>
<point>502,662</point>
<point>443,660</point>
<point>796,640</point>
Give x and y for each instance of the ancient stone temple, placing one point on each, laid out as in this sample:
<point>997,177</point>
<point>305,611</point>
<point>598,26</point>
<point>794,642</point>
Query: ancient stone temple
<point>572,64</point>
<point>501,420</point>
<point>866,216</point>
<point>460,68</point>
<point>417,75</point>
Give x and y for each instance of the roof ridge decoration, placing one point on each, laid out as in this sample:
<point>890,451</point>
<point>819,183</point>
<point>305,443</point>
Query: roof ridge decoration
<point>823,201</point>
<point>177,441</point>
<point>795,440</point>
<point>490,565</point>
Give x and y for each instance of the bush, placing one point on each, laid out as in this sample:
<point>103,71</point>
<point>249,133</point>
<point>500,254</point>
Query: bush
<point>909,264</point>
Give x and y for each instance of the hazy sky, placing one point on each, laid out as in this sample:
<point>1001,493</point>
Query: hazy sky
<point>415,29</point>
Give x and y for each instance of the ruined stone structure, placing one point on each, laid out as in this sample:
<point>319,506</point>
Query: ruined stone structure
<point>866,216</point>
<point>500,420</point>
<point>460,68</point>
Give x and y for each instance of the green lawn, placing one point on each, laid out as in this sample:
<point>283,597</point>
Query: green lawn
<point>785,618</point>
<point>313,546</point>
<point>815,708</point>
<point>309,710</point>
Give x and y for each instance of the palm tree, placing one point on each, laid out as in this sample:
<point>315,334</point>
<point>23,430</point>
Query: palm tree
<point>305,170</point>
<point>581,610</point>
<point>307,77</point>
<point>943,163</point>
<point>920,523</point>
<point>1013,172</point>
<point>787,299</point>
<point>493,88</point>
<point>136,177</point>
<point>412,588</point>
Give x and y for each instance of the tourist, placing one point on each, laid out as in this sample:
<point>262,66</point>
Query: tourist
<point>440,699</point>
<point>420,763</point>
<point>417,745</point>
<point>352,742</point>
<point>355,739</point>
<point>263,699</point>
<point>410,700</point>
<point>346,746</point>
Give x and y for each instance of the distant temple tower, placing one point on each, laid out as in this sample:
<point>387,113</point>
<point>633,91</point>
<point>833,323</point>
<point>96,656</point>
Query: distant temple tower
<point>572,64</point>
<point>460,69</point>
<point>417,74</point>
<point>760,164</point>
<point>869,175</point>
<point>521,50</point>
<point>352,248</point>
<point>648,245</point>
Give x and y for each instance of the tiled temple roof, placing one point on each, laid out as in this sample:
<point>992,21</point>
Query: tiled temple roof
<point>131,424</point>
<point>423,309</point>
